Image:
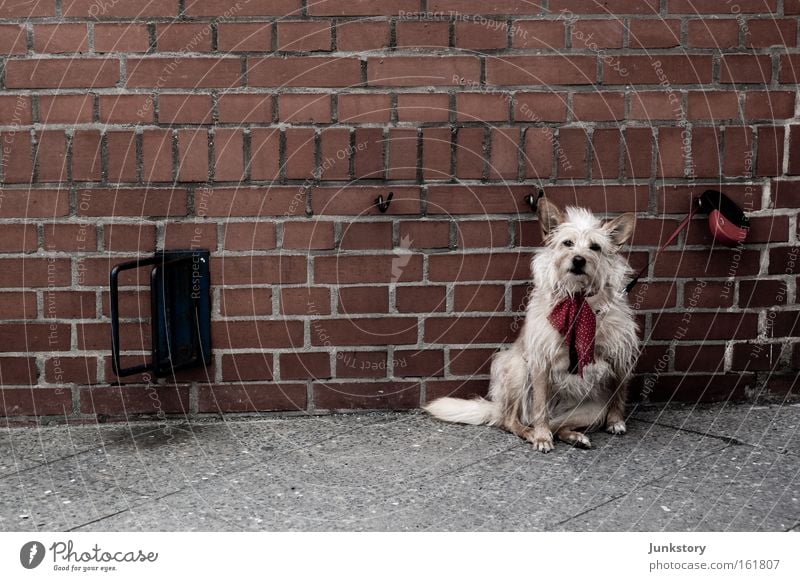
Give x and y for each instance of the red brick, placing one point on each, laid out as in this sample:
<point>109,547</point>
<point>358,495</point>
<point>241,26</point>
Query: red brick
<point>769,105</point>
<point>655,33</point>
<point>67,73</point>
<point>538,155</point>
<point>466,389</point>
<point>785,194</point>
<point>598,106</point>
<point>541,70</point>
<point>762,293</point>
<point>192,155</point>
<point>481,199</point>
<point>121,155</point>
<point>364,331</point>
<point>655,105</point>
<point>671,160</point>
<point>480,35</point>
<point>183,37</point>
<point>707,33</point>
<point>39,402</point>
<point>706,152</point>
<point>305,366</point>
<point>231,398</point>
<point>479,267</point>
<point>182,235</point>
<point>271,201</point>
<point>69,305</point>
<point>308,235</point>
<point>794,150</point>
<point>361,364</point>
<point>677,199</point>
<point>423,34</point>
<point>228,155</point>
<point>252,8</point>
<point>769,155</point>
<point>127,9</point>
<point>244,302</point>
<point>13,39</point>
<point>244,36</point>
<point>21,305</point>
<point>471,361</point>
<point>678,69</point>
<point>418,363</point>
<point>15,109</point>
<point>247,367</point>
<point>504,160</point>
<point>132,202</point>
<point>638,152</point>
<point>646,7</point>
<point>402,154</point>
<point>364,108</point>
<point>705,326</point>
<point>573,162</point>
<point>126,109</point>
<point>594,34</point>
<point>433,234</point>
<point>335,153</point>
<point>360,200</point>
<point>420,299</point>
<point>364,235</point>
<point>713,105</point>
<point>60,38</point>
<point>480,297</point>
<point>770,32</point>
<point>436,153</point>
<point>264,158</point>
<point>29,337</point>
<point>788,69</point>
<point>738,151</point>
<point>300,163</point>
<point>372,395</point>
<point>363,299</point>
<point>51,156</point>
<point>305,301</point>
<point>538,34</point>
<point>249,270</point>
<point>86,156</point>
<point>422,71</point>
<point>699,358</point>
<point>745,68</point>
<point>261,334</point>
<point>34,203</point>
<point>363,269</point>
<point>481,234</point>
<point>605,153</point>
<point>470,159</point>
<point>482,107</point>
<point>368,153</point>
<point>783,323</point>
<point>30,9</point>
<point>183,72</point>
<point>468,330</point>
<point>80,370</point>
<point>157,155</point>
<point>716,262</point>
<point>127,37</point>
<point>121,401</point>
<point>19,238</point>
<point>129,237</point>
<point>423,107</point>
<point>304,108</point>
<point>244,108</point>
<point>184,108</point>
<point>362,35</point>
<point>363,8</point>
<point>303,71</point>
<point>653,295</point>
<point>304,36</point>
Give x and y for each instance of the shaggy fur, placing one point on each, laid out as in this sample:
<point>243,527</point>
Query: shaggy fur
<point>533,393</point>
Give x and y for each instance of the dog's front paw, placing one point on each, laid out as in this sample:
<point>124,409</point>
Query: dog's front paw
<point>617,427</point>
<point>542,440</point>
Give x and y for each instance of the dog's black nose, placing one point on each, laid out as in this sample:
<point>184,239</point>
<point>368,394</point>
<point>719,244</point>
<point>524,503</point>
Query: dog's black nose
<point>578,262</point>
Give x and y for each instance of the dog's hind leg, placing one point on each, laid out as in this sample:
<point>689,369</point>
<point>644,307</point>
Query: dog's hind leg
<point>615,420</point>
<point>573,437</point>
<point>587,415</point>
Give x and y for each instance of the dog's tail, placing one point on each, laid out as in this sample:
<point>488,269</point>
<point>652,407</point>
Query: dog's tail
<point>464,411</point>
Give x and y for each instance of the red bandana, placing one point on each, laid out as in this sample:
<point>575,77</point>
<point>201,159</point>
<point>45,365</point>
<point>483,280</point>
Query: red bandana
<point>575,320</point>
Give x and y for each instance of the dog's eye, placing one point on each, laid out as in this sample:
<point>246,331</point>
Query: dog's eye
<point>595,247</point>
<point>569,243</point>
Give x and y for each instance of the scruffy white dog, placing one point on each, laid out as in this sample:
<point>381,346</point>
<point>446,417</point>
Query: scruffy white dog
<point>570,366</point>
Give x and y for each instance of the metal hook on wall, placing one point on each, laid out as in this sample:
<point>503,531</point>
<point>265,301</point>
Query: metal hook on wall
<point>382,204</point>
<point>532,201</point>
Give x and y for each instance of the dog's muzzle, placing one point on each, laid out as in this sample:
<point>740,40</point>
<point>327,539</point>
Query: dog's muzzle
<point>578,265</point>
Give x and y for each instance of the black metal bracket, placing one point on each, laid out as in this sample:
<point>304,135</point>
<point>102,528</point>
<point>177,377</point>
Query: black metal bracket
<point>180,311</point>
<point>382,204</point>
<point>532,201</point>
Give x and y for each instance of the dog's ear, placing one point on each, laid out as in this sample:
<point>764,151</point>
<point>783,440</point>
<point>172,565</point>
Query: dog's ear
<point>549,215</point>
<point>620,229</point>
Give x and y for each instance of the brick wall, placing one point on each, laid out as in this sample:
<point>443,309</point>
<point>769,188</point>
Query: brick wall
<point>265,129</point>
